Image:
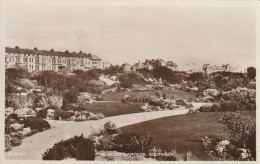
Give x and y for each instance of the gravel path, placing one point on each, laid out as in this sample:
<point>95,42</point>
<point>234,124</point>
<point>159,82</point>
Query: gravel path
<point>34,146</point>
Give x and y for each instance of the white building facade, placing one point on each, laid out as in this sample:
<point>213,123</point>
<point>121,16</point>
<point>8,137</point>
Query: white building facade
<point>38,60</point>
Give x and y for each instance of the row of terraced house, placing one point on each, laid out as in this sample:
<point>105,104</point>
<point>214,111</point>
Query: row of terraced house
<point>38,60</point>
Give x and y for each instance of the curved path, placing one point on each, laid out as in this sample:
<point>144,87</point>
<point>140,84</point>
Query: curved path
<point>34,146</point>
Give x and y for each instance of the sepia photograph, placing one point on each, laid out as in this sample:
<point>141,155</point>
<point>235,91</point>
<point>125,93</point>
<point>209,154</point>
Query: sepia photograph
<point>115,80</point>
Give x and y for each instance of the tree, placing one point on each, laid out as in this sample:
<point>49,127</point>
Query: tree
<point>197,76</point>
<point>251,72</point>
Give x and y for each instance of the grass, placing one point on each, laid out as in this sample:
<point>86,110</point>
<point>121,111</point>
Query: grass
<point>117,96</point>
<point>112,108</point>
<point>182,132</point>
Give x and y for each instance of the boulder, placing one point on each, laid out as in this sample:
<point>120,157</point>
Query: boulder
<point>24,111</point>
<point>9,111</point>
<point>73,118</point>
<point>16,126</point>
<point>38,109</point>
<point>50,114</point>
<point>26,131</point>
<point>96,116</point>
<point>81,118</point>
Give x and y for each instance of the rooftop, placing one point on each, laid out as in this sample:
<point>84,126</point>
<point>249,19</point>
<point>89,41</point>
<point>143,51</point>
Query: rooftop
<point>51,52</point>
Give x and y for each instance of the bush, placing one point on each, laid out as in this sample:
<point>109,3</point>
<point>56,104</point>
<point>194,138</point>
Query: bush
<point>19,101</point>
<point>78,147</point>
<point>125,142</point>
<point>132,142</point>
<point>67,107</point>
<point>240,135</point>
<point>110,128</point>
<point>35,123</point>
<point>51,100</point>
<point>239,127</point>
<point>42,113</point>
<point>62,114</point>
<point>180,102</point>
<point>196,76</point>
<point>213,108</point>
<point>229,106</point>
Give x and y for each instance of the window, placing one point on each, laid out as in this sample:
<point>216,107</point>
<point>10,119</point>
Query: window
<point>53,61</point>
<point>59,61</point>
<point>43,60</point>
<point>53,67</point>
<point>37,67</point>
<point>37,60</point>
<point>25,59</point>
<point>82,62</point>
<point>43,67</point>
<point>17,59</point>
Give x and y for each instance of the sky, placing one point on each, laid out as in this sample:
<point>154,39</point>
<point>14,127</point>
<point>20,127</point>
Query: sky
<point>127,34</point>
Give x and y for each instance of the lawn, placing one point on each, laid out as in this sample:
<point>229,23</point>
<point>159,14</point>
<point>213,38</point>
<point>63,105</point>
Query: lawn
<point>182,132</point>
<point>112,108</point>
<point>117,96</point>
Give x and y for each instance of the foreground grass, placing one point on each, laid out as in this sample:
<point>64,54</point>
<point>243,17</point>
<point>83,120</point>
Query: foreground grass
<point>182,132</point>
<point>112,108</point>
<point>117,96</point>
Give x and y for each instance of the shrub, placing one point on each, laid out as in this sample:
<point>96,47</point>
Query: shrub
<point>19,101</point>
<point>79,109</point>
<point>125,142</point>
<point>132,142</point>
<point>229,106</point>
<point>197,76</point>
<point>62,114</point>
<point>213,108</point>
<point>110,128</point>
<point>51,100</point>
<point>67,107</point>
<point>78,147</point>
<point>239,127</point>
<point>26,83</point>
<point>35,123</point>
<point>70,96</point>
<point>180,102</point>
<point>240,134</point>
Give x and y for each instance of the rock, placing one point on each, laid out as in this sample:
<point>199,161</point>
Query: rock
<point>9,111</point>
<point>38,109</point>
<point>26,131</point>
<point>81,118</point>
<point>193,110</point>
<point>50,114</point>
<point>96,116</point>
<point>24,111</point>
<point>16,126</point>
<point>243,153</point>
<point>73,118</point>
<point>24,93</point>
<point>19,88</point>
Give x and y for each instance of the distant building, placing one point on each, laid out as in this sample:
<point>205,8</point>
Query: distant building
<point>38,60</point>
<point>106,64</point>
<point>150,65</point>
<point>127,67</point>
<point>210,69</point>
